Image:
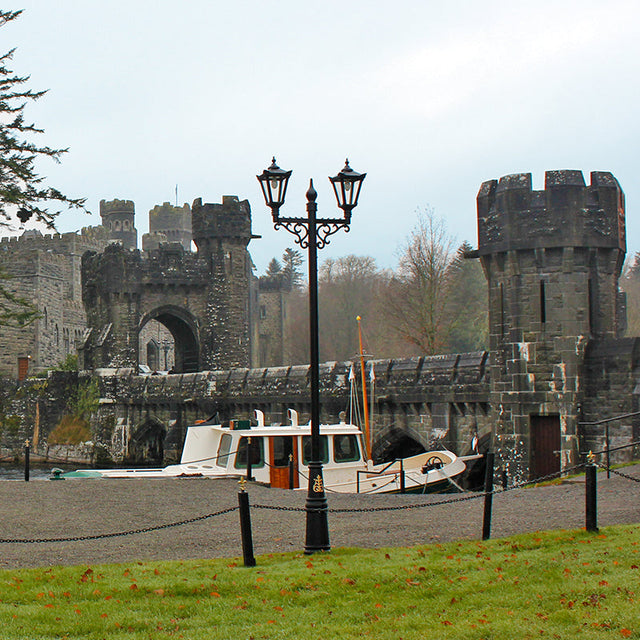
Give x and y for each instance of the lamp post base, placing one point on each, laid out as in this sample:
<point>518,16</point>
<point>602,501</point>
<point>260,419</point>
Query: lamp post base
<point>317,538</point>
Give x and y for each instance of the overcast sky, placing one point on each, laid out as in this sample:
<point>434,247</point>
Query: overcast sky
<point>429,98</point>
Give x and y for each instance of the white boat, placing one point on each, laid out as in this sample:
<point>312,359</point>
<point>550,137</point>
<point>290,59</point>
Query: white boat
<point>279,456</point>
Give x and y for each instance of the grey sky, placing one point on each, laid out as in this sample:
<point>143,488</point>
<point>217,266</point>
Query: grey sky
<point>429,98</point>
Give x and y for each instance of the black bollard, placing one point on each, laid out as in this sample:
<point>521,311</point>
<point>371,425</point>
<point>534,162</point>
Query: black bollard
<point>488,496</point>
<point>26,461</point>
<point>291,472</point>
<point>591,509</point>
<point>403,480</point>
<point>249,478</point>
<point>504,478</point>
<point>245,528</point>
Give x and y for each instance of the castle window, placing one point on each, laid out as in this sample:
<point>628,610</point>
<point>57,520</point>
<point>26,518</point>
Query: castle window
<point>125,225</point>
<point>590,305</point>
<point>117,225</point>
<point>543,303</point>
<point>263,312</point>
<point>501,310</point>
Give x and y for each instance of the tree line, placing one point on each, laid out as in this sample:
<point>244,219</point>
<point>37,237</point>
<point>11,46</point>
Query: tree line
<point>434,301</point>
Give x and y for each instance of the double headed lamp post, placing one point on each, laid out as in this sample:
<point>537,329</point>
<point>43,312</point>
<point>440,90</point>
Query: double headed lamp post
<point>312,233</point>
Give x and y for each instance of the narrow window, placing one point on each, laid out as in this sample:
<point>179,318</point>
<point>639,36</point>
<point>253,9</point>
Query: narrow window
<point>590,305</point>
<point>501,310</point>
<point>543,303</point>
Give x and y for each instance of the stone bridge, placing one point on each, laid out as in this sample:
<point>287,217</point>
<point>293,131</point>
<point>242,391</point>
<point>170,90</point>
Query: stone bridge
<point>418,403</point>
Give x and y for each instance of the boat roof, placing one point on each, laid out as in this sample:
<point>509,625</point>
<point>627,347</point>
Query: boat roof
<point>286,430</point>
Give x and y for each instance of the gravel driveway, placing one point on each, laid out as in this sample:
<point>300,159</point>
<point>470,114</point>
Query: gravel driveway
<point>80,507</point>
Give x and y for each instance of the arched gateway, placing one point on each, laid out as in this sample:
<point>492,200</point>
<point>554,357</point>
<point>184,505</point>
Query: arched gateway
<point>201,298</point>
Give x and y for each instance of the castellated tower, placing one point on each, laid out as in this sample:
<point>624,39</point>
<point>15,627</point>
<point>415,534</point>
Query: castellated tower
<point>222,233</point>
<point>118,216</point>
<point>552,260</point>
<point>168,224</point>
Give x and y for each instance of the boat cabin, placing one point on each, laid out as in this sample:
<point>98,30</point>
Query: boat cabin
<point>213,449</point>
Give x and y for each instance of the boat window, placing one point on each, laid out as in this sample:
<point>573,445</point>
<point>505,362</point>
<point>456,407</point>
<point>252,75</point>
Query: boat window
<point>223,450</point>
<point>282,449</point>
<point>345,448</point>
<point>256,448</point>
<point>306,449</point>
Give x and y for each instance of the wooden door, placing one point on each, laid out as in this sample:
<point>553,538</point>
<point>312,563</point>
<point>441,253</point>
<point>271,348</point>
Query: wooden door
<point>280,448</point>
<point>545,445</point>
<point>23,367</point>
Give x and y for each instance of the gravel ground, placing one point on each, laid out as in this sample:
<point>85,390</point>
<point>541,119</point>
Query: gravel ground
<point>80,507</point>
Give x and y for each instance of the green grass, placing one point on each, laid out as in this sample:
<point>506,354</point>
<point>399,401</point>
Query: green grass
<point>559,584</point>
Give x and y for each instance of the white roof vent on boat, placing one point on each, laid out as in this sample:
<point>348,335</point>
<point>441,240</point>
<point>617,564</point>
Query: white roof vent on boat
<point>293,417</point>
<point>259,417</point>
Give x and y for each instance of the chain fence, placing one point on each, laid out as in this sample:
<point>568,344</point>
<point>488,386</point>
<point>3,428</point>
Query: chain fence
<point>369,509</point>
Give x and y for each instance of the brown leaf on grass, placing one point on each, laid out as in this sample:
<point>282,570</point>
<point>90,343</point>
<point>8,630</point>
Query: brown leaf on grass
<point>447,623</point>
<point>349,581</point>
<point>159,592</point>
<point>625,633</point>
<point>133,587</point>
<point>86,575</point>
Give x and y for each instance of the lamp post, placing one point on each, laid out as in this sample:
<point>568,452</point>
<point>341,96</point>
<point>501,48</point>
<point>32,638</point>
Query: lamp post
<point>313,233</point>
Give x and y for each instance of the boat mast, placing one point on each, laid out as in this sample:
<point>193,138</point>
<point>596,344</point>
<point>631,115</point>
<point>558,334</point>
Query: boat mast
<point>367,433</point>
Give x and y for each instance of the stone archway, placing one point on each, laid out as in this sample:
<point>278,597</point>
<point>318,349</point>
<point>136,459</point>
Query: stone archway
<point>146,445</point>
<point>183,328</point>
<point>396,443</point>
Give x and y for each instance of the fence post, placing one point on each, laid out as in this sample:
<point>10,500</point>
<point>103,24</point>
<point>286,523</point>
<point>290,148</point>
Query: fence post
<point>488,496</point>
<point>606,428</point>
<point>245,526</point>
<point>591,508</point>
<point>249,478</point>
<point>26,460</point>
<point>291,472</point>
<point>403,481</point>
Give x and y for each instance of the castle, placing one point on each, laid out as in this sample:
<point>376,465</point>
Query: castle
<point>557,364</point>
<point>47,271</point>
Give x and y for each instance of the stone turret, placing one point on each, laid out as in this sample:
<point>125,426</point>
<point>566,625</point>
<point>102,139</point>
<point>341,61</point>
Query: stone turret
<point>173,222</point>
<point>552,260</point>
<point>222,233</point>
<point>118,216</point>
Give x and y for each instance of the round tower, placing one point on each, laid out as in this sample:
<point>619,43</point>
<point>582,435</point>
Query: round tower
<point>118,216</point>
<point>552,260</point>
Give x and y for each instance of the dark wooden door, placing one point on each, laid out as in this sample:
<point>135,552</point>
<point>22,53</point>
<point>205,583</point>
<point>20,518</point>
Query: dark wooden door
<point>280,448</point>
<point>545,445</point>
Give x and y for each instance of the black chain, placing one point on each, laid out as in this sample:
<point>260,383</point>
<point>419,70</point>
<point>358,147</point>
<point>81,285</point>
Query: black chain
<point>101,536</point>
<point>619,473</point>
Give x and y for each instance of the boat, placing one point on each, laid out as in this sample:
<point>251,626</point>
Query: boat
<point>279,455</point>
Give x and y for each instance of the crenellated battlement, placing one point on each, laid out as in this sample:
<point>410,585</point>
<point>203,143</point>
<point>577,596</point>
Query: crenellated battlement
<point>118,269</point>
<point>568,213</point>
<point>116,206</point>
<point>229,220</point>
<point>71,243</point>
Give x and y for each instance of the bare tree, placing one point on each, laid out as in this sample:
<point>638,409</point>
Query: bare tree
<point>419,294</point>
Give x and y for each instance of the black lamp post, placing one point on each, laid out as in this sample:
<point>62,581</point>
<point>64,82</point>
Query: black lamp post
<point>312,233</point>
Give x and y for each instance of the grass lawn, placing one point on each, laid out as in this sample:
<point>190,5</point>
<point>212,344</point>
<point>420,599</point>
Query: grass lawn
<point>559,584</point>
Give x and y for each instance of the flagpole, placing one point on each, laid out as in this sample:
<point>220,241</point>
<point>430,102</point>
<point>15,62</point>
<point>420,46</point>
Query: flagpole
<point>365,403</point>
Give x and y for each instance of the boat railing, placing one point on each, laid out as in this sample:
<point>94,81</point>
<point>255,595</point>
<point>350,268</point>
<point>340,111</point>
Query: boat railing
<point>385,472</point>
